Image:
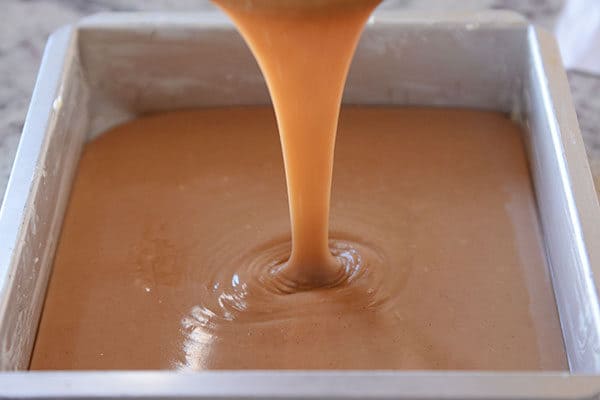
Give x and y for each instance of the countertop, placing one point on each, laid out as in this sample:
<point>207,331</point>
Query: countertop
<point>26,24</point>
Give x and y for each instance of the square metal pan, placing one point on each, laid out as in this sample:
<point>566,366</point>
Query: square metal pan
<point>111,67</point>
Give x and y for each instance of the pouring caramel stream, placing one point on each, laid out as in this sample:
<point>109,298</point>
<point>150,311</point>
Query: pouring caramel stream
<point>304,49</point>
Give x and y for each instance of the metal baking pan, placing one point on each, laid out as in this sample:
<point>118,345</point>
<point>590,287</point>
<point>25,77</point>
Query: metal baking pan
<point>111,67</point>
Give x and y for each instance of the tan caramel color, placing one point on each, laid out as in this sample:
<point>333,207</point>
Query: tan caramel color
<point>304,49</point>
<point>175,217</point>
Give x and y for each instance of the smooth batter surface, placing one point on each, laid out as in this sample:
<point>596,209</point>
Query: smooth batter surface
<point>173,218</point>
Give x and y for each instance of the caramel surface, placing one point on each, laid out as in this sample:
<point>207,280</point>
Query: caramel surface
<point>175,218</point>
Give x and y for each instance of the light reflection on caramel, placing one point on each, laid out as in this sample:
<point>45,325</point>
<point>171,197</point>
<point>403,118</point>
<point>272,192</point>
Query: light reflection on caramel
<point>440,199</point>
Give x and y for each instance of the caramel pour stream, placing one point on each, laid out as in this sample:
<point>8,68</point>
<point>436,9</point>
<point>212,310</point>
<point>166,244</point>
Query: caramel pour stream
<point>304,49</point>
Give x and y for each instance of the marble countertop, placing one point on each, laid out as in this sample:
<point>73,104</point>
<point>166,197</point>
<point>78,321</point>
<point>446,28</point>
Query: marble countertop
<point>26,24</point>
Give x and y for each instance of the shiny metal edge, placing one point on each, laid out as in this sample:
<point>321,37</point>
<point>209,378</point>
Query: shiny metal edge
<point>297,385</point>
<point>24,268</point>
<point>570,208</point>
